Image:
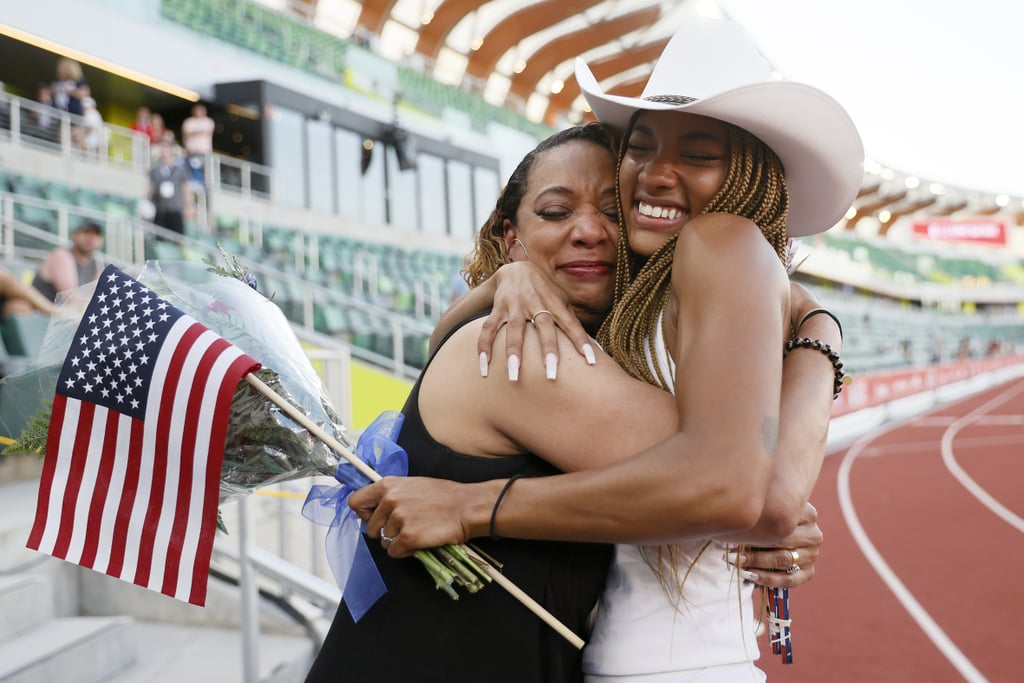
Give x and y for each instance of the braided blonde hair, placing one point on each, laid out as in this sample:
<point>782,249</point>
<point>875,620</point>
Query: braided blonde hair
<point>755,188</point>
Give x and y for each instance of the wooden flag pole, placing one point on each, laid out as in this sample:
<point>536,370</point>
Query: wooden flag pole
<point>373,475</point>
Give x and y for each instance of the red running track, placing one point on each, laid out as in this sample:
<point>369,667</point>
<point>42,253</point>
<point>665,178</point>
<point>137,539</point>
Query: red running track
<point>924,540</point>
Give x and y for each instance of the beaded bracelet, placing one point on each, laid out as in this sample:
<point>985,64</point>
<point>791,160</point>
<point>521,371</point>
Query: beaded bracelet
<point>819,311</point>
<point>833,356</point>
<point>497,502</point>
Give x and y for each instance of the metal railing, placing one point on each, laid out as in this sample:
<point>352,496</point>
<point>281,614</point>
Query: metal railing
<point>41,125</point>
<point>25,121</point>
<point>127,238</point>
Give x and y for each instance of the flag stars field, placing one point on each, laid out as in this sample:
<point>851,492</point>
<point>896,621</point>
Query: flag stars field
<point>122,330</point>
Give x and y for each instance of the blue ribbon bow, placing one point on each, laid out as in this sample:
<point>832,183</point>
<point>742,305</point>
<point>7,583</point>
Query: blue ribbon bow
<point>347,552</point>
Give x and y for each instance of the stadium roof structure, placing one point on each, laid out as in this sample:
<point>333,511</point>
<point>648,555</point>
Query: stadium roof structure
<point>516,53</point>
<point>519,54</point>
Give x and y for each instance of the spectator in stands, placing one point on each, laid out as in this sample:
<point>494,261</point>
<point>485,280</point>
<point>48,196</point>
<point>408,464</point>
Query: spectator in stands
<point>197,137</point>
<point>907,350</point>
<point>69,91</point>
<point>17,298</point>
<point>43,122</point>
<point>143,122</point>
<point>169,190</point>
<point>157,129</point>
<point>65,268</point>
<point>70,88</point>
<point>93,130</point>
<point>5,108</point>
<point>963,349</point>
<point>934,348</point>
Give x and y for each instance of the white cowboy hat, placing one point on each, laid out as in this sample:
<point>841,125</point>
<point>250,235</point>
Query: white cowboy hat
<point>713,68</point>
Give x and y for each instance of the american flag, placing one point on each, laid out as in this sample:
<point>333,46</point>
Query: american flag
<point>130,482</point>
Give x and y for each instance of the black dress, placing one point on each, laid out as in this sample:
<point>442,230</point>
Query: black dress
<point>416,633</point>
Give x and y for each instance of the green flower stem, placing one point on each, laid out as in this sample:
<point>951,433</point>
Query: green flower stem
<point>463,557</point>
<point>465,577</point>
<point>443,577</point>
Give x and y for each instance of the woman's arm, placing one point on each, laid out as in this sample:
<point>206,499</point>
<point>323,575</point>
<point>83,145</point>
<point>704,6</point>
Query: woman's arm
<point>733,311</point>
<point>515,294</point>
<point>807,394</point>
<point>569,423</point>
<point>22,298</point>
<point>704,480</point>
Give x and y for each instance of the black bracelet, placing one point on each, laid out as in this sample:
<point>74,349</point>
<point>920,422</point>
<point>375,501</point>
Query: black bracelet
<point>832,355</point>
<point>494,512</point>
<point>818,311</point>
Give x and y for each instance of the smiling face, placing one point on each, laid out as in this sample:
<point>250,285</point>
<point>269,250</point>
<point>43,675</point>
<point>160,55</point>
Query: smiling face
<point>674,164</point>
<point>567,222</point>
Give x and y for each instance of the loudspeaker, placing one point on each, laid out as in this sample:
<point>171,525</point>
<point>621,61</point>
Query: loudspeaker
<point>405,149</point>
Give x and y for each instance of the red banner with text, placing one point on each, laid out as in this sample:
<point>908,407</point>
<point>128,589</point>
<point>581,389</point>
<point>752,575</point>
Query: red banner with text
<point>875,388</point>
<point>992,231</point>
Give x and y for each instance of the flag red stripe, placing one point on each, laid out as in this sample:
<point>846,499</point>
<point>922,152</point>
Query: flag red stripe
<point>193,414</point>
<point>74,483</point>
<point>122,525</point>
<point>100,491</point>
<point>46,477</point>
<point>162,451</point>
<point>218,434</point>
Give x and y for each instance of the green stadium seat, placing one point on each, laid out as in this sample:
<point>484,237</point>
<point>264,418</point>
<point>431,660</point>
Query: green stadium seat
<point>23,334</point>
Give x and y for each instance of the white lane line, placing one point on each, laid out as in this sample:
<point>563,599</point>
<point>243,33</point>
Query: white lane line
<point>938,637</point>
<point>949,457</point>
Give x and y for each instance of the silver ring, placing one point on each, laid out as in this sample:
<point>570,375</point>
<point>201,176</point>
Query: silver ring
<point>794,569</point>
<point>386,540</point>
<point>540,313</point>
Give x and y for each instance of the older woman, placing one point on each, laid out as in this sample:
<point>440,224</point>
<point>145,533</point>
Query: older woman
<point>461,427</point>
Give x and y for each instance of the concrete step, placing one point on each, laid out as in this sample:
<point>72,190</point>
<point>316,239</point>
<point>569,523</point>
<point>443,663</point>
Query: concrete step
<point>174,654</point>
<point>166,641</point>
<point>26,601</point>
<point>17,512</point>
<point>78,650</point>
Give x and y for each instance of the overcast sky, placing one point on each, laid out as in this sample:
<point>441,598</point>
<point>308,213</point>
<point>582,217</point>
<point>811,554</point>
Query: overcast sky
<point>935,86</point>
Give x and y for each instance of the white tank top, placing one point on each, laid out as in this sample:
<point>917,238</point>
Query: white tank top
<point>642,635</point>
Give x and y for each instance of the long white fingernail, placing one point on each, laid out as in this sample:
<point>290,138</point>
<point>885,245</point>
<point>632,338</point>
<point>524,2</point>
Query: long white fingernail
<point>551,366</point>
<point>750,576</point>
<point>588,353</point>
<point>513,368</point>
<point>483,364</point>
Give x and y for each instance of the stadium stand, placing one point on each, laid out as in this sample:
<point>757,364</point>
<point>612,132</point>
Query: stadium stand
<point>368,278</point>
